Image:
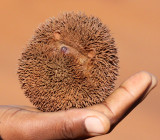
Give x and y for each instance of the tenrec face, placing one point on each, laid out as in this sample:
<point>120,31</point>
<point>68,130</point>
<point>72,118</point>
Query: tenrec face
<point>71,62</point>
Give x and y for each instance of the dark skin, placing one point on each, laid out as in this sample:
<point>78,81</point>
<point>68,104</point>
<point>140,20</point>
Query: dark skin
<point>27,123</point>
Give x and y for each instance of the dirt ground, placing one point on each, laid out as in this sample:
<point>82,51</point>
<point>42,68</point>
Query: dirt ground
<point>135,25</point>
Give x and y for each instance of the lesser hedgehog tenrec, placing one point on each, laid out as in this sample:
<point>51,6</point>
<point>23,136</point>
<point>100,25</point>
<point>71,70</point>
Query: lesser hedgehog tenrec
<point>71,62</point>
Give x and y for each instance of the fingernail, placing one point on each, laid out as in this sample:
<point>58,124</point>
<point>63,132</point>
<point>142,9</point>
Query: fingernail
<point>153,83</point>
<point>94,126</point>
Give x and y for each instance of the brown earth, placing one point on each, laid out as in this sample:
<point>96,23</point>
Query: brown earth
<point>136,28</point>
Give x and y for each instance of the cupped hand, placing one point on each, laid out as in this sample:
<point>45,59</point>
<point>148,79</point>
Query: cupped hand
<point>26,123</point>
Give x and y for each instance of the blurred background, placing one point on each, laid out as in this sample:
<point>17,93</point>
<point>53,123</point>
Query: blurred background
<point>135,25</point>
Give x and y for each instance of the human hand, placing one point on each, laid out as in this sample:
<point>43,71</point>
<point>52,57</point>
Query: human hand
<point>26,123</point>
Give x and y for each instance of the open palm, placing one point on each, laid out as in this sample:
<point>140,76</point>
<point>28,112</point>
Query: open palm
<point>27,123</point>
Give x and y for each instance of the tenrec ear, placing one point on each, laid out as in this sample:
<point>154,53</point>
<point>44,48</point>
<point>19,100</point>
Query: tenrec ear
<point>57,35</point>
<point>91,54</point>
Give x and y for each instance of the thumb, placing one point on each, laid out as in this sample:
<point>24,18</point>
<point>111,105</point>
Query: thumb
<point>71,124</point>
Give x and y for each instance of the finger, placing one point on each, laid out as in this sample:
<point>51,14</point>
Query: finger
<point>127,96</point>
<point>28,108</point>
